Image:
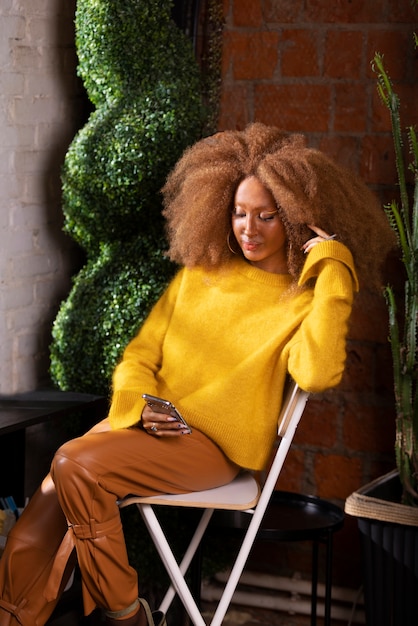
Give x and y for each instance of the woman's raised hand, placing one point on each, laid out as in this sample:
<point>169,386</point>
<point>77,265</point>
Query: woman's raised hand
<point>321,236</point>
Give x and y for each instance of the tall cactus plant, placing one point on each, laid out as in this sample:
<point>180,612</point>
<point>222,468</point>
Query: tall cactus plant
<point>403,218</point>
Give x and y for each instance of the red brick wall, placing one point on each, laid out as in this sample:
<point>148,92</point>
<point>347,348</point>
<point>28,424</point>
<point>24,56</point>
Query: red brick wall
<point>305,66</point>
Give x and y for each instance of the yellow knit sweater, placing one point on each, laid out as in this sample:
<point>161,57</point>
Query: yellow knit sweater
<point>219,345</point>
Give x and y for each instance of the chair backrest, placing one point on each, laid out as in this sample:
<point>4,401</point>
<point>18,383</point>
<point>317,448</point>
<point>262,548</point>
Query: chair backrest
<point>293,405</point>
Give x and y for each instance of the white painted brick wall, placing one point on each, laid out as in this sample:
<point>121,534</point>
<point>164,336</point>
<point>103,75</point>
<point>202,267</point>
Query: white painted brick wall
<point>40,108</point>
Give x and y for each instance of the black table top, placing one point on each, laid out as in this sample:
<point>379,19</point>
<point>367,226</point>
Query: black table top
<point>289,517</point>
<point>18,411</point>
<point>296,516</point>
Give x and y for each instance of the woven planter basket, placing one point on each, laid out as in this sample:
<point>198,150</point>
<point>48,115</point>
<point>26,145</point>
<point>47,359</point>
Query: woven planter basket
<point>361,505</point>
<point>389,541</point>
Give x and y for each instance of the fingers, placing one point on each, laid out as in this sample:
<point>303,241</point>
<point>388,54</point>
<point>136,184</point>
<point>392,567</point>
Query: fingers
<point>163,431</point>
<point>322,235</point>
<point>161,424</point>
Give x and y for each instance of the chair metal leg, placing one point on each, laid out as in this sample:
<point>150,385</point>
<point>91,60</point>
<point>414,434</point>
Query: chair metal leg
<point>240,562</point>
<point>175,570</point>
<point>196,575</point>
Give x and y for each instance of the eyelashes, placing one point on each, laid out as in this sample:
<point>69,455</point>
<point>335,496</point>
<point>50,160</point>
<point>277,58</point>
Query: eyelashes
<point>265,216</point>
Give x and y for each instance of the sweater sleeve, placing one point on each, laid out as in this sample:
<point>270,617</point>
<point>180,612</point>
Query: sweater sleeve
<point>141,360</point>
<point>317,352</point>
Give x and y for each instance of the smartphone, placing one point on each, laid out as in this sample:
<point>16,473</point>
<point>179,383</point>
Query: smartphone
<point>165,406</point>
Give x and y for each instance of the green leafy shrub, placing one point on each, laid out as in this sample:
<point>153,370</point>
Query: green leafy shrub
<point>141,75</point>
<point>110,299</point>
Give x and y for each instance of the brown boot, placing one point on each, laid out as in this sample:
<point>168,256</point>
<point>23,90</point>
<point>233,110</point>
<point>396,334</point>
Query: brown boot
<point>143,617</point>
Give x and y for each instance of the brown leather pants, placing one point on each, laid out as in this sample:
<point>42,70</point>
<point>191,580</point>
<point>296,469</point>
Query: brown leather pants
<point>76,507</point>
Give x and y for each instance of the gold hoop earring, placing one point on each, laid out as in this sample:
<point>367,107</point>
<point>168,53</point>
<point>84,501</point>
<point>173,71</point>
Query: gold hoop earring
<point>228,242</point>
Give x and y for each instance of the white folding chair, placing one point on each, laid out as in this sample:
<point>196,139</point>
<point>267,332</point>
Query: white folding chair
<point>242,494</point>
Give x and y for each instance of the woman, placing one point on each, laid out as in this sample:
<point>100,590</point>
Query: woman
<point>266,230</point>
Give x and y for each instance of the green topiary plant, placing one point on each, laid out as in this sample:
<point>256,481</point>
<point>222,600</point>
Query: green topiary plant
<point>140,73</point>
<point>111,296</point>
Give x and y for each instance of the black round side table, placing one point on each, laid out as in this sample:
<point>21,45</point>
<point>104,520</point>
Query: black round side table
<point>296,517</point>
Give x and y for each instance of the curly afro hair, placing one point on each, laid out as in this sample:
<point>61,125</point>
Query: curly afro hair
<point>308,187</point>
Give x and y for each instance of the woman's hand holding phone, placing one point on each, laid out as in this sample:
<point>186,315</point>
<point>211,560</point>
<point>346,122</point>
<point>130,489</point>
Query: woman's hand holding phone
<point>162,419</point>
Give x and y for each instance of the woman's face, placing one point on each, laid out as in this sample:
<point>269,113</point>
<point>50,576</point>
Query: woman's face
<point>258,228</point>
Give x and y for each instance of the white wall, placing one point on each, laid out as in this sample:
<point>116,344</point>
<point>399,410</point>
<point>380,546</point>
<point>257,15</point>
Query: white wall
<point>41,102</point>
